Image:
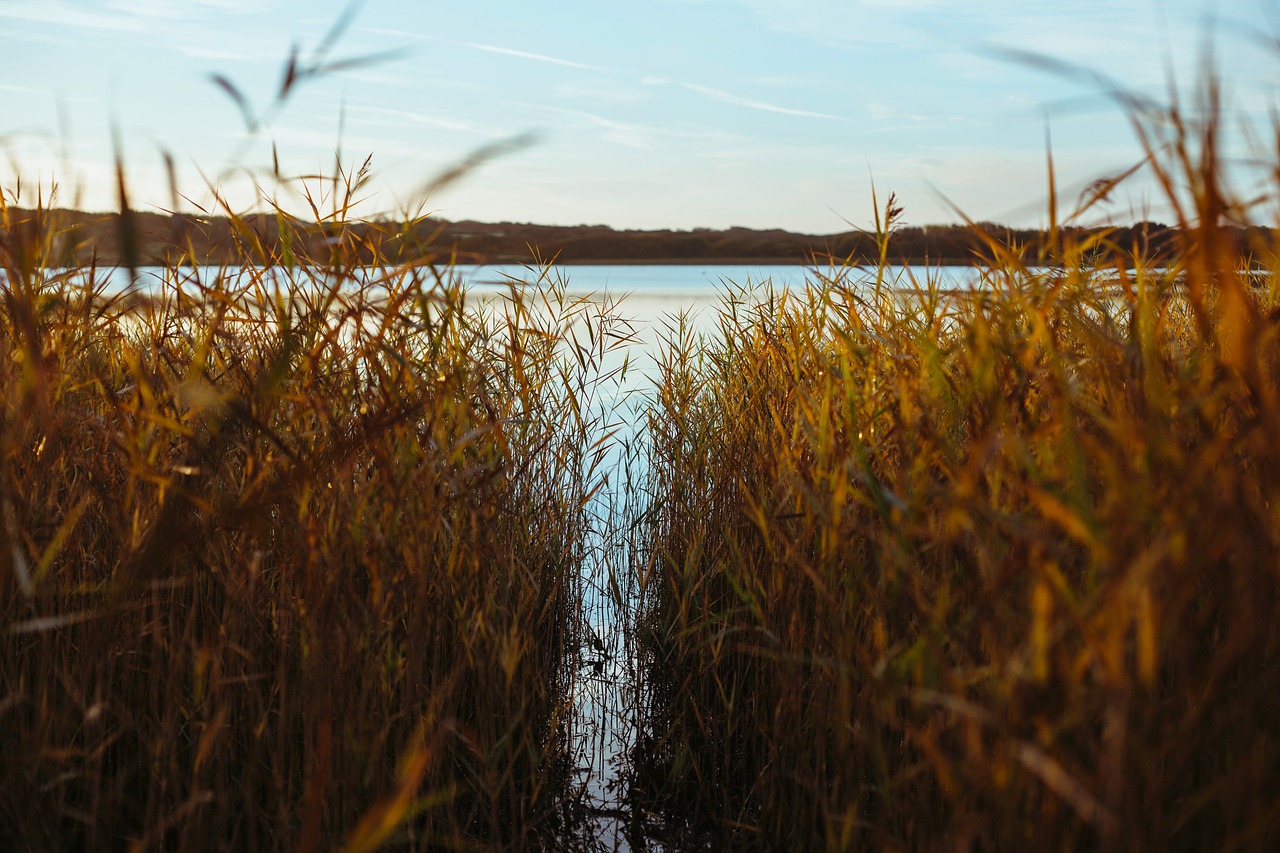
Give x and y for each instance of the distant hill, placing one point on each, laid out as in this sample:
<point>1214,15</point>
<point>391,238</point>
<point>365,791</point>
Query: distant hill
<point>152,238</point>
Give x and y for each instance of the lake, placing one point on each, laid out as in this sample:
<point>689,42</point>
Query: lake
<point>672,284</point>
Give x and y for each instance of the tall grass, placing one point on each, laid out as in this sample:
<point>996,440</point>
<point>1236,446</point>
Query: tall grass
<point>305,552</point>
<point>291,554</point>
<point>988,569</point>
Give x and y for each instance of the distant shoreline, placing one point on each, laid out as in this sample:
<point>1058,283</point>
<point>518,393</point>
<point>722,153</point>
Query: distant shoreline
<point>705,262</point>
<point>154,239</point>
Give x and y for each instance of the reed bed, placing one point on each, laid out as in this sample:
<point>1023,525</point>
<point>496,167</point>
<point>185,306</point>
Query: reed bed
<point>319,552</point>
<point>291,557</point>
<point>989,569</point>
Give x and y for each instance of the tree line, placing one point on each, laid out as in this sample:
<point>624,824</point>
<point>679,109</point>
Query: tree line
<point>141,238</point>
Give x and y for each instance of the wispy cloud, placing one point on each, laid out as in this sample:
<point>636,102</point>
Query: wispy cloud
<point>206,51</point>
<point>397,117</point>
<point>640,136</point>
<point>887,112</point>
<point>167,10</point>
<point>64,14</point>
<point>729,98</point>
<point>621,133</point>
<point>601,92</point>
<point>121,15</point>
<point>153,9</point>
<point>842,22</point>
<point>241,6</point>
<point>537,57</point>
<point>395,33</point>
<point>617,132</point>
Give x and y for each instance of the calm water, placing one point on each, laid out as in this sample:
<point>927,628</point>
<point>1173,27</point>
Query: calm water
<point>673,284</point>
<point>692,284</point>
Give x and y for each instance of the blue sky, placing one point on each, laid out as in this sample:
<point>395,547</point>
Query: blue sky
<point>664,114</point>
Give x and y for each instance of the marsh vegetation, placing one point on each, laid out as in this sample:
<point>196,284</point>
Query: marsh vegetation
<point>327,552</point>
<point>988,569</point>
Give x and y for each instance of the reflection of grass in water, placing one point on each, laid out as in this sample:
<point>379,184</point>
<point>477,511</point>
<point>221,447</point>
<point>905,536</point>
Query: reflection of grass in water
<point>992,568</point>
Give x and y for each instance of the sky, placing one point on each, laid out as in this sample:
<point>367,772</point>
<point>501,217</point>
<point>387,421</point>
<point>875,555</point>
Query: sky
<point>663,114</point>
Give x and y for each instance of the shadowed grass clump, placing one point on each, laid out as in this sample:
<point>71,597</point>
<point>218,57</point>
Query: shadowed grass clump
<point>990,568</point>
<point>289,555</point>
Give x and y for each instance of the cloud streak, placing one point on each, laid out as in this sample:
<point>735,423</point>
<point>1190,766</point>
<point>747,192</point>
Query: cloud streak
<point>64,15</point>
<point>730,98</point>
<point>639,136</point>
<point>524,54</point>
<point>396,117</point>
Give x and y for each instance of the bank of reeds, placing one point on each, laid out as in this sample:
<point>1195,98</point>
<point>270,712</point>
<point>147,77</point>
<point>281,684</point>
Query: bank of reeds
<point>290,556</point>
<point>976,570</point>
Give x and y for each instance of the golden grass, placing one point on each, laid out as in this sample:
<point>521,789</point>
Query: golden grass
<point>293,554</point>
<point>291,558</point>
<point>991,569</point>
